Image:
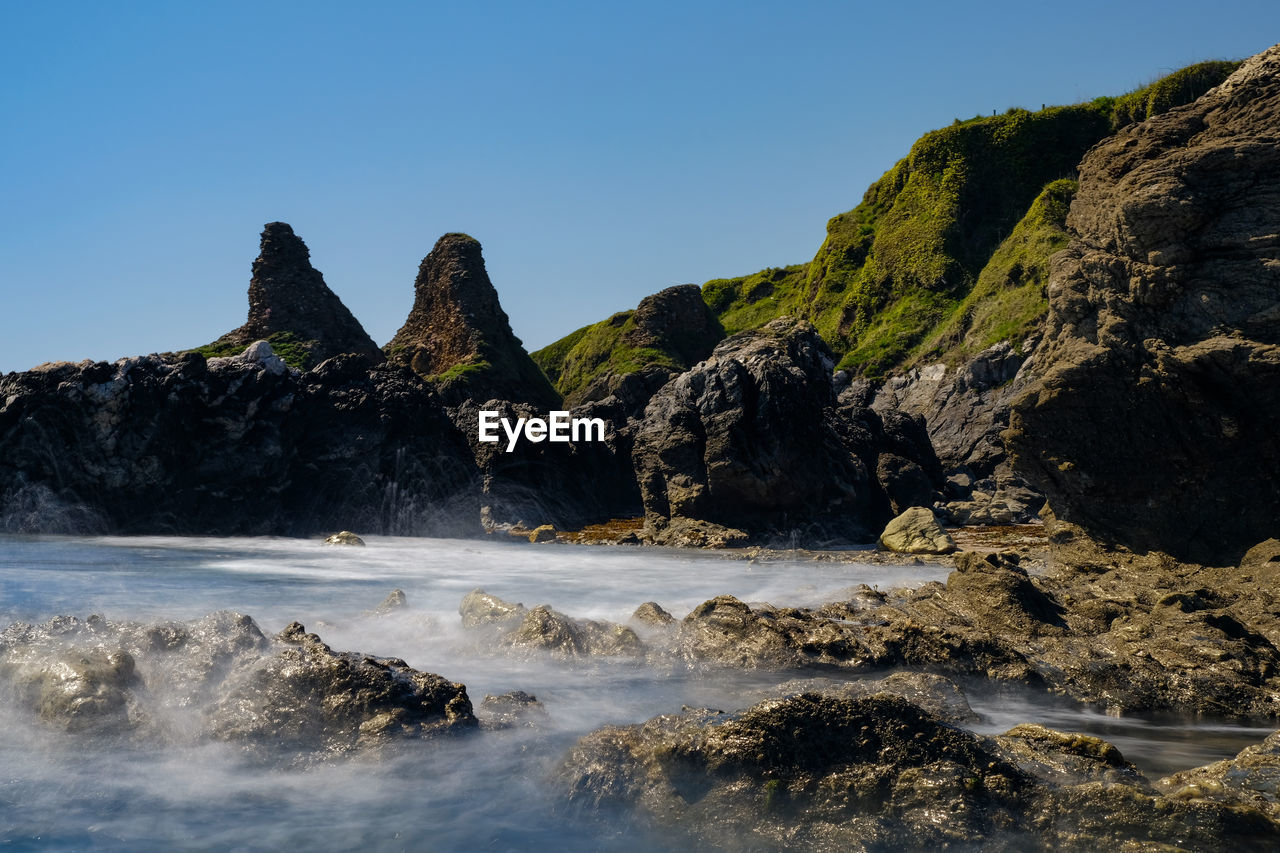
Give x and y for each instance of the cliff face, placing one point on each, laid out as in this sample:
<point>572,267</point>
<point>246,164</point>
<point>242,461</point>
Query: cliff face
<point>1152,422</point>
<point>290,305</point>
<point>230,446</point>
<point>458,335</point>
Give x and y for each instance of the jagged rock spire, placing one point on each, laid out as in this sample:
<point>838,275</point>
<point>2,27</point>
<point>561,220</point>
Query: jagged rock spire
<point>288,295</point>
<point>458,333</point>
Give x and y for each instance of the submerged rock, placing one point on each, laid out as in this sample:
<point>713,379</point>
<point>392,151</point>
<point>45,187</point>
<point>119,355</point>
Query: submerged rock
<point>547,629</point>
<point>309,698</point>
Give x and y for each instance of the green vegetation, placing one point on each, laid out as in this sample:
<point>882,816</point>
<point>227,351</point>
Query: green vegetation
<point>462,370</point>
<point>1008,302</point>
<point>575,361</point>
<point>753,300</point>
<point>946,254</point>
<point>1180,87</point>
<point>908,273</point>
<point>293,350</point>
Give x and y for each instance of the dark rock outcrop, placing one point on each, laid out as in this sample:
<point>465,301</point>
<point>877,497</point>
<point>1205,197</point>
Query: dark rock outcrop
<point>288,297</point>
<point>290,699</point>
<point>458,335</point>
<point>1151,421</point>
<point>564,484</point>
<point>178,444</point>
<point>750,441</point>
<point>864,770</point>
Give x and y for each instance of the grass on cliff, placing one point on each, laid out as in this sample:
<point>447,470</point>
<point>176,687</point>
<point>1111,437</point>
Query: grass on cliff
<point>901,275</point>
<point>293,350</point>
<point>575,361</point>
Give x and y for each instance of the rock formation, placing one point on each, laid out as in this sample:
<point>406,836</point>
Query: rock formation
<point>634,353</point>
<point>751,443</point>
<point>289,698</point>
<point>1152,421</point>
<point>870,768</point>
<point>458,335</point>
<point>290,303</point>
<point>178,444</point>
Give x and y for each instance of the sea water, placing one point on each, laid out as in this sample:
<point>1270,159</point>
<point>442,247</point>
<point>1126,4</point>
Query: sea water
<point>492,790</point>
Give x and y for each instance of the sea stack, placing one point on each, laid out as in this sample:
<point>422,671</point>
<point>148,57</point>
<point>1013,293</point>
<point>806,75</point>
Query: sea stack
<point>458,335</point>
<point>1152,423</point>
<point>291,306</point>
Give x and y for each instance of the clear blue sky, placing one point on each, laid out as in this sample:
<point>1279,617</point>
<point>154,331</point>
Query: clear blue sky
<point>599,153</point>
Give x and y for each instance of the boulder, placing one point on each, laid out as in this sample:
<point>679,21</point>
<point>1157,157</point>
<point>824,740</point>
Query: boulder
<point>747,440</point>
<point>917,531</point>
<point>1150,420</point>
<point>345,537</point>
<point>479,608</point>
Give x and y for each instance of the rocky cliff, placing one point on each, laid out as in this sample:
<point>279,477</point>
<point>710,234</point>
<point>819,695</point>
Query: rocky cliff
<point>458,336</point>
<point>240,445</point>
<point>1152,421</point>
<point>291,306</point>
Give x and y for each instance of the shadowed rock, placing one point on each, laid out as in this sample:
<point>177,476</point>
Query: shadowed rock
<point>1152,419</point>
<point>290,304</point>
<point>458,334</point>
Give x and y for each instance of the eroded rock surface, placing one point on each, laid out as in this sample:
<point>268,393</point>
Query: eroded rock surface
<point>458,334</point>
<point>288,296</point>
<point>290,698</point>
<point>230,446</point>
<point>1151,421</point>
<point>748,440</point>
<point>827,770</point>
<point>545,629</point>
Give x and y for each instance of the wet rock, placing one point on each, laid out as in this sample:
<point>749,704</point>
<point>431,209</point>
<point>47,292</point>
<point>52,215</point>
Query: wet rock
<point>394,601</point>
<point>730,631</point>
<point>306,697</point>
<point>917,531</point>
<point>458,335</point>
<point>543,533</point>
<point>345,537</point>
<point>287,296</point>
<point>746,441</point>
<point>510,709</point>
<point>292,699</point>
<point>544,628</point>
<point>651,614</point>
<point>935,694</point>
<point>479,608</point>
<point>1151,418</point>
<point>828,771</point>
<point>1250,780</point>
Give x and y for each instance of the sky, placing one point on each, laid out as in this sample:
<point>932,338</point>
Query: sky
<point>599,152</point>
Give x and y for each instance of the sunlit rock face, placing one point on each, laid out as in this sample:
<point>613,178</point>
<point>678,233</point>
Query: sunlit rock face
<point>1152,421</point>
<point>458,334</point>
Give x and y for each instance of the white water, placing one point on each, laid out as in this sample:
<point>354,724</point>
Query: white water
<point>488,791</point>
